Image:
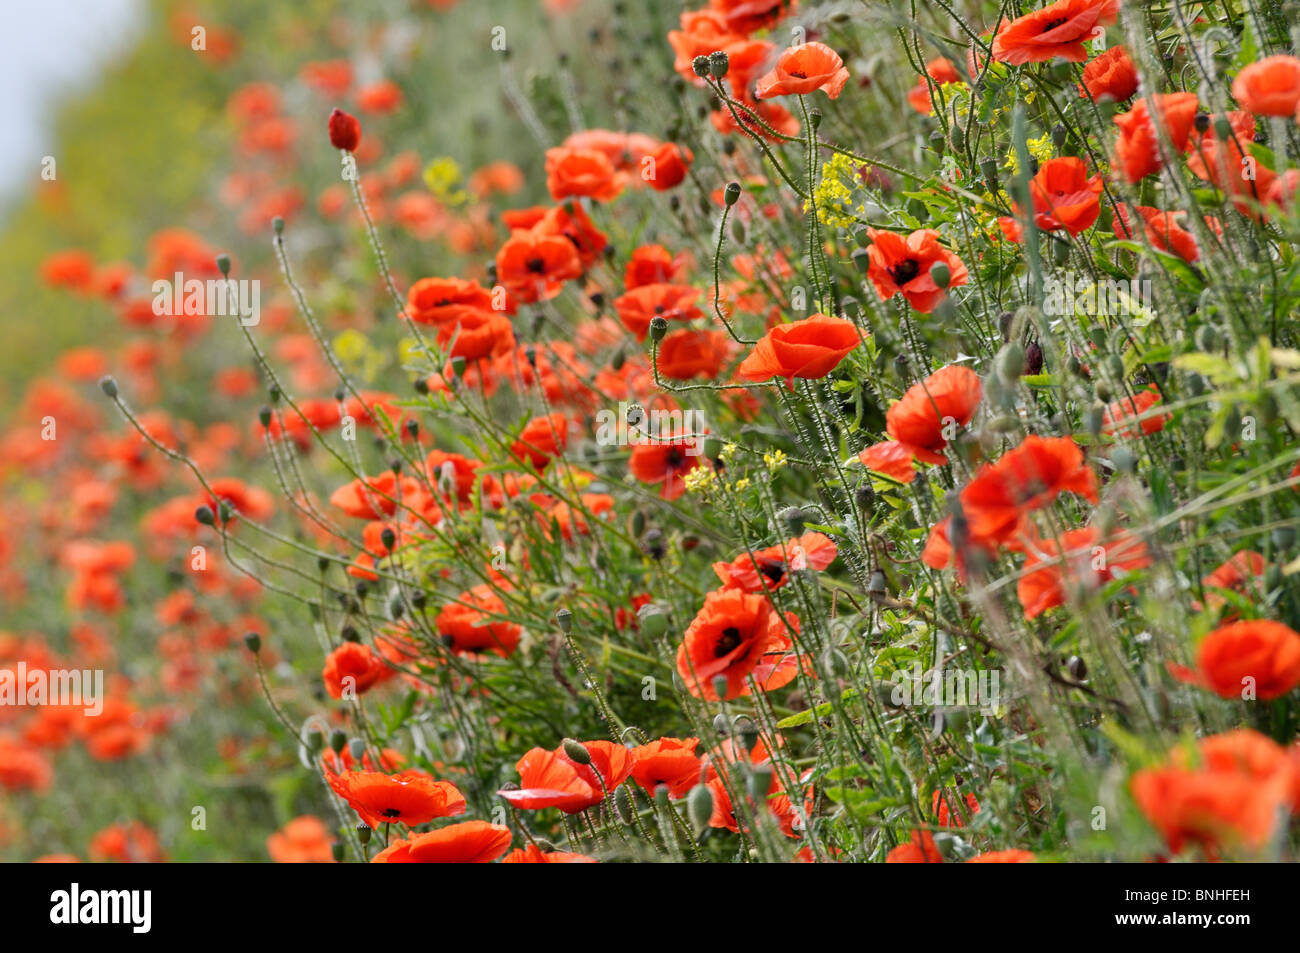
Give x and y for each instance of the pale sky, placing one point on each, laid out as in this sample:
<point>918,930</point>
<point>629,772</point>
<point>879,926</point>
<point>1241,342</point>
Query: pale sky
<point>50,49</point>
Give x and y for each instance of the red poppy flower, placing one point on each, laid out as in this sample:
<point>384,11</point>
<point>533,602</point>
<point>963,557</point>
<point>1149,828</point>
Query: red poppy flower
<point>355,666</point>
<point>448,301</point>
<point>941,71</point>
<point>1059,29</point>
<point>1064,196</point>
<point>1269,87</point>
<point>920,849</point>
<point>1111,75</point>
<point>687,353</point>
<point>926,417</point>
<point>582,172</point>
<point>1259,658</point>
<point>473,624</point>
<point>405,798</point>
<point>304,840</point>
<point>543,439</point>
<point>747,16</point>
<point>1242,571</point>
<point>1231,167</point>
<point>1027,478</point>
<point>1234,798</point>
<point>1120,418</point>
<point>902,264</point>
<point>771,566</point>
<point>735,634</point>
<point>671,762</point>
<point>344,130</point>
<point>809,349</point>
<point>670,164</point>
<point>666,461</point>
<point>805,68</point>
<point>469,842</point>
<point>891,458</point>
<point>532,854</point>
<point>1089,563</point>
<point>535,267</point>
<point>553,779</point>
<point>653,265</point>
<point>638,306</point>
<point>1138,149</point>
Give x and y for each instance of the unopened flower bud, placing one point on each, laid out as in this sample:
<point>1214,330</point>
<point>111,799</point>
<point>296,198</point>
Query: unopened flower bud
<point>345,131</point>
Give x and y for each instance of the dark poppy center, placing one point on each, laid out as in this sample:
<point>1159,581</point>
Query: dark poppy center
<point>391,812</point>
<point>798,74</point>
<point>1053,24</point>
<point>674,457</point>
<point>772,570</point>
<point>730,639</point>
<point>905,271</point>
<point>535,265</point>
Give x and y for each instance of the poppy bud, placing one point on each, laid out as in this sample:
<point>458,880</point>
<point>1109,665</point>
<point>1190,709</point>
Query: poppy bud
<point>865,496</point>
<point>862,258</point>
<point>1222,128</point>
<point>746,733</point>
<point>1033,358</point>
<point>699,807</point>
<point>315,742</point>
<point>815,117</point>
<point>652,620</point>
<point>109,386</point>
<point>957,138</point>
<point>264,416</point>
<point>1201,122</point>
<point>989,169</point>
<point>223,264</point>
<point>719,63</point>
<point>1011,361</point>
<point>862,236</point>
<point>458,365</point>
<point>338,850</point>
<point>940,274</point>
<point>420,599</point>
<point>700,66</point>
<point>253,641</point>
<point>358,748</point>
<point>345,131</point>
<point>205,515</point>
<point>661,796</point>
<point>759,782</point>
<point>564,619</point>
<point>937,141</point>
<point>273,392</point>
<point>277,225</point>
<point>1059,134</point>
<point>337,740</point>
<point>575,751</point>
<point>1092,419</point>
<point>658,328</point>
<point>720,686</point>
<point>731,195</point>
<point>792,518</point>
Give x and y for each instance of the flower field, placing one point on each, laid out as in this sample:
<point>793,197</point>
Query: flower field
<point>731,431</point>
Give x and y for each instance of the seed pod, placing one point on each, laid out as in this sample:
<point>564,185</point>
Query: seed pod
<point>652,620</point>
<point>253,641</point>
<point>719,63</point>
<point>658,328</point>
<point>759,782</point>
<point>337,740</point>
<point>700,66</point>
<point>732,194</point>
<point>940,274</point>
<point>564,619</point>
<point>109,386</point>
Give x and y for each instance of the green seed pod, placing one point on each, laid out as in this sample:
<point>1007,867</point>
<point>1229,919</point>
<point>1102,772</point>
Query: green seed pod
<point>1060,251</point>
<point>861,258</point>
<point>109,386</point>
<point>746,733</point>
<point>941,274</point>
<point>1222,128</point>
<point>337,740</point>
<point>720,686</point>
<point>937,142</point>
<point>363,834</point>
<point>1207,338</point>
<point>699,808</point>
<point>658,328</point>
<point>223,264</point>
<point>732,194</point>
<point>564,619</point>
<point>1059,135</point>
<point>719,63</point>
<point>253,641</point>
<point>338,851</point>
<point>1011,362</point>
<point>957,138</point>
<point>700,66</point>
